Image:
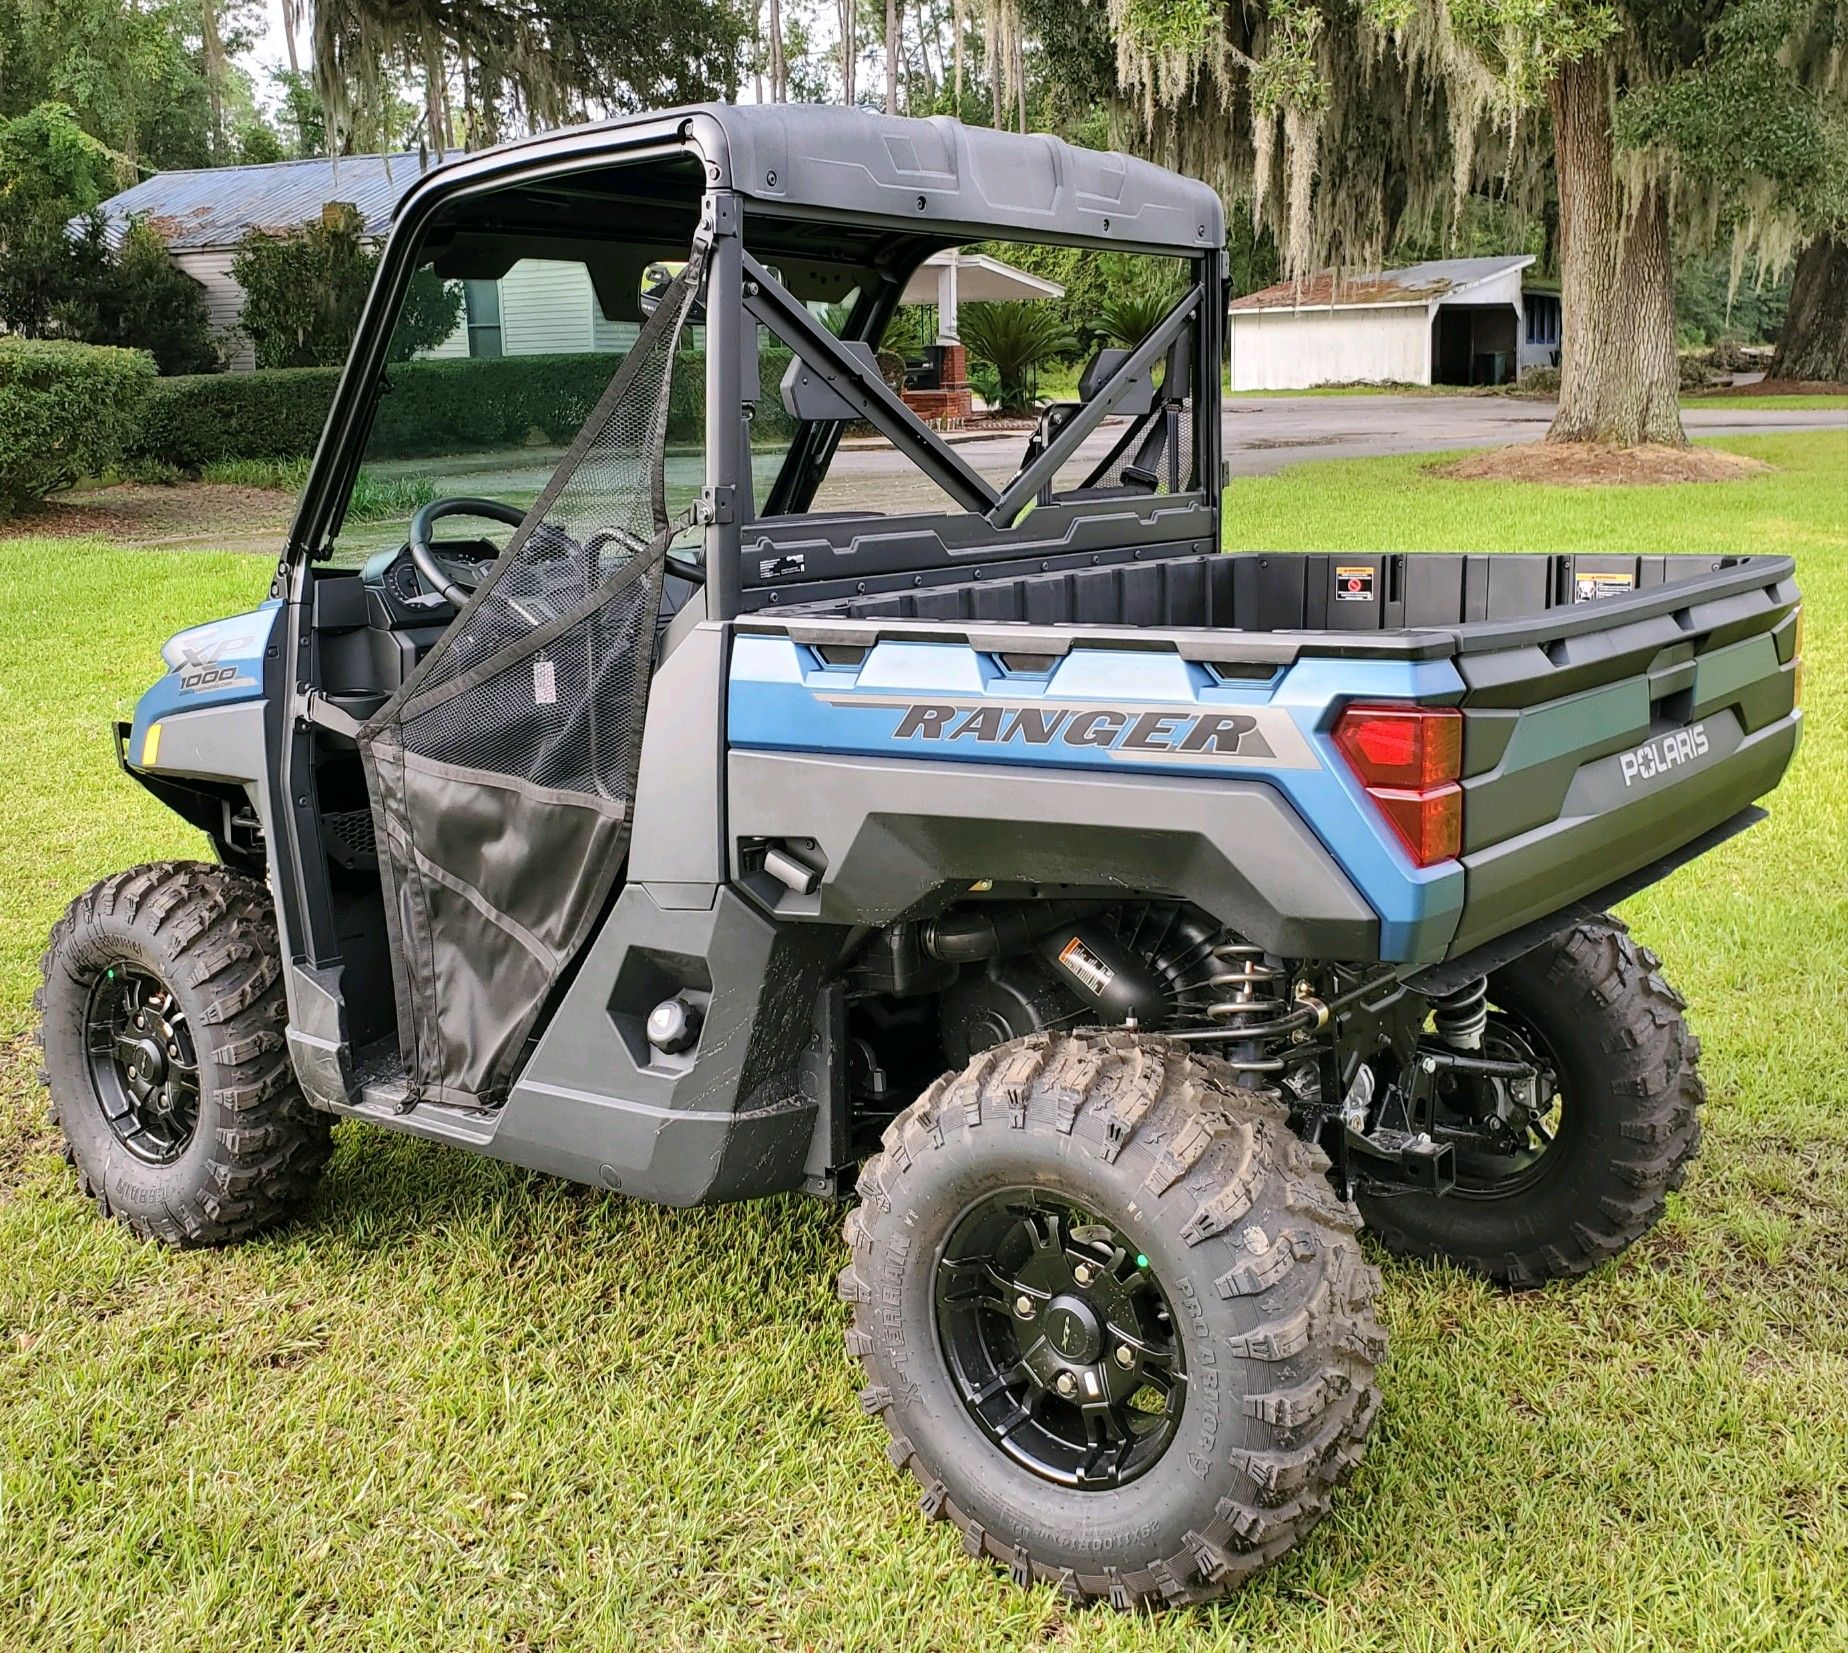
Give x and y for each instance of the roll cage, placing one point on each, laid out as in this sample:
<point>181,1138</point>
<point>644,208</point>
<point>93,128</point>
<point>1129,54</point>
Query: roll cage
<point>796,204</point>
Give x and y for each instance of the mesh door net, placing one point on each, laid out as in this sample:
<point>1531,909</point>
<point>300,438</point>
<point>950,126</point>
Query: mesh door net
<point>503,772</point>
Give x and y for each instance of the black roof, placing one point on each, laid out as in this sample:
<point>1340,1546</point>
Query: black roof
<point>938,175</point>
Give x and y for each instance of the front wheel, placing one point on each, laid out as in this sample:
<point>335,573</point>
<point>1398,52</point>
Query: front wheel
<point>1113,1316</point>
<point>162,1023</point>
<point>1570,1184</point>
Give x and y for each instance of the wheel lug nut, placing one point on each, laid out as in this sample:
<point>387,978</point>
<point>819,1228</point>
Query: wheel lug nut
<point>1125,1355</point>
<point>1084,1274</point>
<point>1023,1306</point>
<point>1065,1383</point>
<point>141,1021</point>
<point>173,1050</point>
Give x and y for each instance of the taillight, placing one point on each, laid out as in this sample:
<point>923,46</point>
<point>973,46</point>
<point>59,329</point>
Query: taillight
<point>1409,758</point>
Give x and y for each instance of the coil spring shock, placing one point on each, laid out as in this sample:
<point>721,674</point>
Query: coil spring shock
<point>1462,1016</point>
<point>1242,970</point>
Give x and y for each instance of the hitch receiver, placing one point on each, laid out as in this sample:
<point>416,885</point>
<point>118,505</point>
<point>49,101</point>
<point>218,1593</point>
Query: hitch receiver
<point>1401,1158</point>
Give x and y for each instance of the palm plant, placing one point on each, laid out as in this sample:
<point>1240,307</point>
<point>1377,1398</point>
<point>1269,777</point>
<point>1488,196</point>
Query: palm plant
<point>1015,339</point>
<point>1130,317</point>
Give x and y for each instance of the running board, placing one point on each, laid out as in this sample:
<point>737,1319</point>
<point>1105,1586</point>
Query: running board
<point>384,1099</point>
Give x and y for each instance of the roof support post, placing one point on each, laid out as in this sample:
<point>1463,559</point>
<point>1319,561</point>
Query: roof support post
<point>725,500</point>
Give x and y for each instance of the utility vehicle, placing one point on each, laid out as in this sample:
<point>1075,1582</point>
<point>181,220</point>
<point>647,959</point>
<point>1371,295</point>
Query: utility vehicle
<point>1120,923</point>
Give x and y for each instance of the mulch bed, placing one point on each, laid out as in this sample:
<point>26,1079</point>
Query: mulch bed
<point>152,514</point>
<point>1592,465</point>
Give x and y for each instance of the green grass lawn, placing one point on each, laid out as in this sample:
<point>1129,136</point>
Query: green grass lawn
<point>463,1407</point>
<point>1762,403</point>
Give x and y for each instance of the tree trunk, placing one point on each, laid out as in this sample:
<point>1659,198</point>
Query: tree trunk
<point>214,73</point>
<point>1814,340</point>
<point>1619,376</point>
<point>958,25</point>
<point>895,46</point>
<point>436,109</point>
<point>291,21</point>
<point>850,51</point>
<point>779,69</point>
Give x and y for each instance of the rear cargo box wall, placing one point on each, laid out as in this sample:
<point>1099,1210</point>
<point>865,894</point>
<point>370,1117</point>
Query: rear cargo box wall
<point>1283,591</point>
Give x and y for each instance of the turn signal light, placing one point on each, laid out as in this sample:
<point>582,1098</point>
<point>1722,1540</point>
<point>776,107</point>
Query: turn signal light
<point>1409,758</point>
<point>1429,824</point>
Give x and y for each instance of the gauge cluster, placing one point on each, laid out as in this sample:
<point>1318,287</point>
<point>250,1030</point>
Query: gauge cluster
<point>407,600</point>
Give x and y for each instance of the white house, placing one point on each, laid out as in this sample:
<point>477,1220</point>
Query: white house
<point>205,213</point>
<point>1453,321</point>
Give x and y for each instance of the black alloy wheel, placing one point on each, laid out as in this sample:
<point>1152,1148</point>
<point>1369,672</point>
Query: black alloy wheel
<point>1113,1316</point>
<point>1061,1341</point>
<point>1502,1130</point>
<point>143,1069</point>
<point>1550,1186</point>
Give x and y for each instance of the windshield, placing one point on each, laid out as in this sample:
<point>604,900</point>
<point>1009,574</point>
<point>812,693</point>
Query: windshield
<point>491,379</point>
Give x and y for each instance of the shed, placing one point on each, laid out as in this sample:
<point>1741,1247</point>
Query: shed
<point>1451,321</point>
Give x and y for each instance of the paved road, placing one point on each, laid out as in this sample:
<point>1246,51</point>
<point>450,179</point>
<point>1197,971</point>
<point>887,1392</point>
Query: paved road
<point>1263,434</point>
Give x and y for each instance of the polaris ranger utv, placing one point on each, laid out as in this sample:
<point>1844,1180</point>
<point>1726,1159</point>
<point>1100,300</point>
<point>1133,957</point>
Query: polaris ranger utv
<point>1122,924</point>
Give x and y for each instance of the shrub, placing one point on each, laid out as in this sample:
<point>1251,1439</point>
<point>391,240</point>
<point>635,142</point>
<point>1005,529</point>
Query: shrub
<point>453,406</point>
<point>303,292</point>
<point>1014,339</point>
<point>65,412</point>
<point>1130,317</point>
<point>1540,381</point>
<point>191,421</point>
<point>133,294</point>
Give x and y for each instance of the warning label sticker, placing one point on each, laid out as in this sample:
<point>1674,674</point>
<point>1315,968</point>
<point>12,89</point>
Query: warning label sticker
<point>1588,588</point>
<point>1353,585</point>
<point>1086,965</point>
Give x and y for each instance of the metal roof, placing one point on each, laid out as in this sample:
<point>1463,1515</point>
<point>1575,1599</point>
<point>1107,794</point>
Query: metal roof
<point>214,208</point>
<point>1414,284</point>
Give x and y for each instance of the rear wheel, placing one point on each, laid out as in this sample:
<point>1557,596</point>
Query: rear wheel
<point>161,1021</point>
<point>1113,1316</point>
<point>1552,1188</point>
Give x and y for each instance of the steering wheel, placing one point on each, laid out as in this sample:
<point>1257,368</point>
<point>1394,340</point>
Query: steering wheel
<point>428,516</point>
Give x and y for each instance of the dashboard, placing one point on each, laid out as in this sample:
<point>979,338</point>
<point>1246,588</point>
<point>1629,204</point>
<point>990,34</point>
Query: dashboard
<point>392,580</point>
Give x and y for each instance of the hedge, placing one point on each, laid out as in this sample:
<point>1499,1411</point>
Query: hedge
<point>66,411</point>
<point>451,406</point>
